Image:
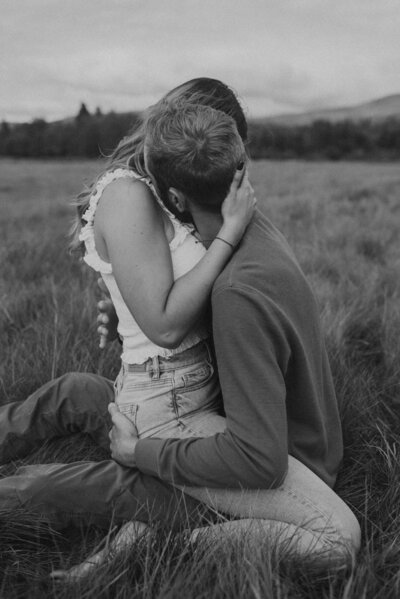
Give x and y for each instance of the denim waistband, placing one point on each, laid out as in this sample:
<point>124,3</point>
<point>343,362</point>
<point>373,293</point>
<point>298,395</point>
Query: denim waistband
<point>200,351</point>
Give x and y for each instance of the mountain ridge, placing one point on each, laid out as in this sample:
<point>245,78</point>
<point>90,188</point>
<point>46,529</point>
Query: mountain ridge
<point>374,110</point>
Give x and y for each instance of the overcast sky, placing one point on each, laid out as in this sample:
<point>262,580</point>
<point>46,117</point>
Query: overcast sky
<point>279,55</point>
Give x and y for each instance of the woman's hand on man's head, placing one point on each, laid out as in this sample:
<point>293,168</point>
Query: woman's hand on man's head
<point>237,208</point>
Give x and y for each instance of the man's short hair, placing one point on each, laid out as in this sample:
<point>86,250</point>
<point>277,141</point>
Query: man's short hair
<point>195,149</point>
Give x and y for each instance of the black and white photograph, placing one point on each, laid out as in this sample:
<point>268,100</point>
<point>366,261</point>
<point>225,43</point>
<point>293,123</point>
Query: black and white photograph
<point>200,299</point>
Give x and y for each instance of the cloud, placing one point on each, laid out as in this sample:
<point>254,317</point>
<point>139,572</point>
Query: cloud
<point>121,54</point>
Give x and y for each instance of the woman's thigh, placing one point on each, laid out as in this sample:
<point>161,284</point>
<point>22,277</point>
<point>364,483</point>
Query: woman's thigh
<point>303,500</point>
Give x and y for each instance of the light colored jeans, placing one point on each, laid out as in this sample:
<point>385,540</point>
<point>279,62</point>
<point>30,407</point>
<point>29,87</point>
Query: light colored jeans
<point>176,397</point>
<point>180,398</point>
<point>303,515</point>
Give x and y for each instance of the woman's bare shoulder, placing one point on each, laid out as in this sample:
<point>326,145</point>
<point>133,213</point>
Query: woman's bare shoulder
<point>126,189</point>
<point>127,200</point>
<point>127,197</point>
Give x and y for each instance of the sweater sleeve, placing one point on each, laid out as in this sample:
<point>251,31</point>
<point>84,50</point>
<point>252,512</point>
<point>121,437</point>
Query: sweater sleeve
<point>252,355</point>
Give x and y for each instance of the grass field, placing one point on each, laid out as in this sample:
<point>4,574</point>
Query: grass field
<point>343,221</point>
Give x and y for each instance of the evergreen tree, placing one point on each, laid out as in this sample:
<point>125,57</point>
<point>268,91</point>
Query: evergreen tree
<point>83,113</point>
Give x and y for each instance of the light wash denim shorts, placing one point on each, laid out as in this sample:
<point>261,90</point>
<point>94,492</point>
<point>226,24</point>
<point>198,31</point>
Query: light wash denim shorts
<point>175,397</point>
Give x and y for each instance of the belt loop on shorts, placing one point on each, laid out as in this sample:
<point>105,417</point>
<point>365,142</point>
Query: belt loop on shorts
<point>155,368</point>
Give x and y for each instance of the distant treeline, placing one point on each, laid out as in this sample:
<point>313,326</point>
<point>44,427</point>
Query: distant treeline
<point>84,136</point>
<point>90,135</point>
<point>343,140</point>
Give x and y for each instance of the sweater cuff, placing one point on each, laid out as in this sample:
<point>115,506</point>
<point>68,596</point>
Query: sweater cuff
<point>146,455</point>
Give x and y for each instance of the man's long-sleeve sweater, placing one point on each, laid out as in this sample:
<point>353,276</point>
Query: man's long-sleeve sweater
<point>274,373</point>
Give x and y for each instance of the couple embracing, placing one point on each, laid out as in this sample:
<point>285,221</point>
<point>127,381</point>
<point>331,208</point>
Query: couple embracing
<point>243,423</point>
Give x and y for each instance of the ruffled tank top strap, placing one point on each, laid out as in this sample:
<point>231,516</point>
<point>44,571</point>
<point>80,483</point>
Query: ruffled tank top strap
<point>91,257</point>
<point>102,183</point>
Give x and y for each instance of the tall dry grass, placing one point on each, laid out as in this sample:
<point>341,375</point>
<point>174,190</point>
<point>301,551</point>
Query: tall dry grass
<point>343,221</point>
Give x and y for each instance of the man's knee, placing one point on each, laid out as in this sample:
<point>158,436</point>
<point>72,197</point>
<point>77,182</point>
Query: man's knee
<point>84,390</point>
<point>85,384</point>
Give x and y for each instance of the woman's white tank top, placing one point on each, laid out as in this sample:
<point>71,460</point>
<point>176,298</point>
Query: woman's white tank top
<point>186,251</point>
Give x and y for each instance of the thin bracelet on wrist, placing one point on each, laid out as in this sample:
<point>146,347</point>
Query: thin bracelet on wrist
<point>224,240</point>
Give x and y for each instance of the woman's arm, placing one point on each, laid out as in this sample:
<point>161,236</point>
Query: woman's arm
<point>130,223</point>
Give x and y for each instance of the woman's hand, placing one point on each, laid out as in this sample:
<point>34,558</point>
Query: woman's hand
<point>237,209</point>
<point>107,319</point>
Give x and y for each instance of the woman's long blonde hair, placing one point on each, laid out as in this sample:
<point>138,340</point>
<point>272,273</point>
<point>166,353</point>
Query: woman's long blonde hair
<point>130,151</point>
